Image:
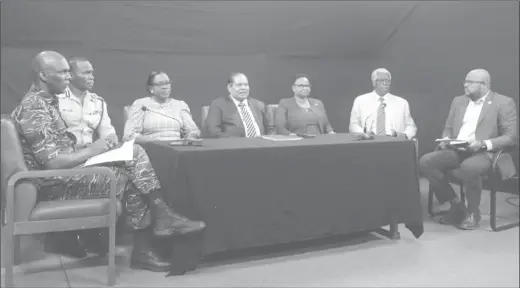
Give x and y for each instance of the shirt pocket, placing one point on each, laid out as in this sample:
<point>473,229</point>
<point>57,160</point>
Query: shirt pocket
<point>70,116</point>
<point>93,117</point>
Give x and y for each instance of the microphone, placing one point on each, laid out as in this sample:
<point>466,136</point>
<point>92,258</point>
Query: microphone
<point>365,124</point>
<point>180,142</point>
<point>144,108</point>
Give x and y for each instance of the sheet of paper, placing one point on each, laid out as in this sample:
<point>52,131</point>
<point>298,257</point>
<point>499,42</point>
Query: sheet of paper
<point>123,153</point>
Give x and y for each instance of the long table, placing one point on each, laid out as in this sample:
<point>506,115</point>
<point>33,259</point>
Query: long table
<point>258,192</point>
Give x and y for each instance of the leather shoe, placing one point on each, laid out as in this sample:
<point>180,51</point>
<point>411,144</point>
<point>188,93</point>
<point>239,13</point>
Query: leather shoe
<point>470,222</point>
<point>455,215</point>
<point>148,259</point>
<point>65,243</point>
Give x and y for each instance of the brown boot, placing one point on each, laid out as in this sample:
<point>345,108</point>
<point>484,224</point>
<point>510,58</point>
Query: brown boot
<point>167,222</point>
<point>145,255</point>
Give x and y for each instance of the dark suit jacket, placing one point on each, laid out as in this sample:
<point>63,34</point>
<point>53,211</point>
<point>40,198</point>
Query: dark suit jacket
<point>288,120</point>
<point>497,122</point>
<point>224,120</point>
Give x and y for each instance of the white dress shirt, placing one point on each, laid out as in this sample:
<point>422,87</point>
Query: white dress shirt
<point>248,109</point>
<point>397,114</point>
<point>469,123</point>
<point>86,116</point>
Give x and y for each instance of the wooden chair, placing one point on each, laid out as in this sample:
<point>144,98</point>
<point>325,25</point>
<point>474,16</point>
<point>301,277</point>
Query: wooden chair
<point>25,215</point>
<point>493,182</point>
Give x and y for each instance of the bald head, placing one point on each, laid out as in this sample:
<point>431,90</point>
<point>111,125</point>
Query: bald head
<point>51,72</point>
<point>477,83</point>
<point>46,60</point>
<point>481,75</point>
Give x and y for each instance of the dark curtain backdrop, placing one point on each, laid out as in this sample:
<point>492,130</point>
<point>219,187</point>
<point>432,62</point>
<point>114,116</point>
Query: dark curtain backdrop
<point>428,47</point>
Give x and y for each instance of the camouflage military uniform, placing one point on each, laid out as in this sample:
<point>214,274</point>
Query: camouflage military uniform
<point>44,135</point>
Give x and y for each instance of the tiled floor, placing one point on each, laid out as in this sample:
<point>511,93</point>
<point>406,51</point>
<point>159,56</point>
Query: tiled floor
<point>442,257</point>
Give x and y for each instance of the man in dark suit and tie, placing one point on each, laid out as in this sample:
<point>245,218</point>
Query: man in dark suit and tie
<point>237,114</point>
<point>488,122</point>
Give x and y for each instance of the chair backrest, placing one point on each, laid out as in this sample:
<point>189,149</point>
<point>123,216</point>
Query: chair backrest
<point>271,111</point>
<point>203,116</point>
<point>126,113</point>
<point>12,154</point>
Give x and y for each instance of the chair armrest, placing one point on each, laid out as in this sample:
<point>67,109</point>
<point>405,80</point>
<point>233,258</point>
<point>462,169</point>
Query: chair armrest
<point>494,162</point>
<point>495,172</point>
<point>57,173</point>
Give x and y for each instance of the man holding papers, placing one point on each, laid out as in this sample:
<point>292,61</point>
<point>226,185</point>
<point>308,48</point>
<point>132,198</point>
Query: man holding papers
<point>47,144</point>
<point>487,121</point>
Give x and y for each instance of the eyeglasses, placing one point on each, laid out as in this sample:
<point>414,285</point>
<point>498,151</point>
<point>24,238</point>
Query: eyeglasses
<point>303,85</point>
<point>469,82</point>
<point>162,84</point>
<point>241,84</point>
<point>384,81</point>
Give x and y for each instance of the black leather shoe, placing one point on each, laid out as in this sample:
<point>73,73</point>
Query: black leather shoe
<point>148,259</point>
<point>471,222</point>
<point>65,243</point>
<point>455,215</point>
<point>168,223</point>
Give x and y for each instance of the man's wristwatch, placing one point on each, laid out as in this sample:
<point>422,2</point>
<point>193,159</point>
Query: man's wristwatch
<point>483,147</point>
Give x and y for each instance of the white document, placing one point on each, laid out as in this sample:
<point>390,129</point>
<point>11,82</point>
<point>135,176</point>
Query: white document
<point>281,137</point>
<point>123,153</point>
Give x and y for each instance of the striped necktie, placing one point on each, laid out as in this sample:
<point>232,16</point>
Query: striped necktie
<point>381,125</point>
<point>248,121</point>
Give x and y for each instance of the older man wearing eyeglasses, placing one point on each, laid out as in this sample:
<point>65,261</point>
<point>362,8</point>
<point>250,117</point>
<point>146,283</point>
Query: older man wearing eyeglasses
<point>380,112</point>
<point>487,121</point>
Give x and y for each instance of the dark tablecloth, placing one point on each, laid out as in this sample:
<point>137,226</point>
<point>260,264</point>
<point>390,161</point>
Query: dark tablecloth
<point>257,192</point>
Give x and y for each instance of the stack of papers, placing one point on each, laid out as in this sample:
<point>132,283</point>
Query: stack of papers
<point>452,141</point>
<point>281,137</point>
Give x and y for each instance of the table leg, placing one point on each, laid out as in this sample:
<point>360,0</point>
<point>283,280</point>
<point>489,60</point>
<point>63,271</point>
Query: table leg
<point>393,233</point>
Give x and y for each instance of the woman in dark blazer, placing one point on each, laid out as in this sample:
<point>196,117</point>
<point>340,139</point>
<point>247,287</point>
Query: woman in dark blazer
<point>301,114</point>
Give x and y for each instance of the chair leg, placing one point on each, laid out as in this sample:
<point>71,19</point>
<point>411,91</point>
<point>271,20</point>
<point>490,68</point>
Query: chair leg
<point>111,270</point>
<point>493,214</point>
<point>430,200</point>
<point>8,258</point>
<point>17,251</point>
<point>430,204</point>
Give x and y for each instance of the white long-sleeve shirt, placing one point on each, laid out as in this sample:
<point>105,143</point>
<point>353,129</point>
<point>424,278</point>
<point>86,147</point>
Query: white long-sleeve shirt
<point>397,114</point>
<point>469,123</point>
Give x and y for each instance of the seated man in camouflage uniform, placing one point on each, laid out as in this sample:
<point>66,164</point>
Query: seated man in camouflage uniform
<point>47,144</point>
